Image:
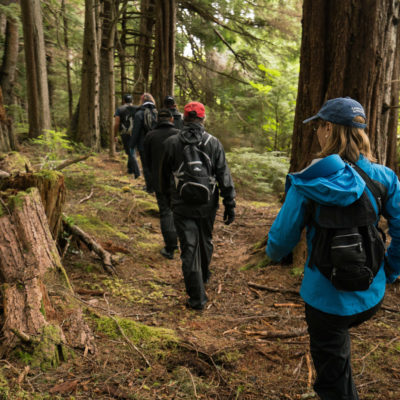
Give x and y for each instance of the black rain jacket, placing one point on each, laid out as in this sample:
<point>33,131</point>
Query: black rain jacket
<point>194,133</point>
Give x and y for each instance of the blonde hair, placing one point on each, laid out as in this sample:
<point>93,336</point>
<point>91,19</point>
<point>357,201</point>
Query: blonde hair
<point>147,97</point>
<point>349,142</point>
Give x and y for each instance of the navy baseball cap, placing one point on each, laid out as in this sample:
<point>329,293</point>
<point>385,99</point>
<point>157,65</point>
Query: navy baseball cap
<point>342,111</point>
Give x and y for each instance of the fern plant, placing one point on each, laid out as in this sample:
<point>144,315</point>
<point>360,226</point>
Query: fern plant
<point>54,145</point>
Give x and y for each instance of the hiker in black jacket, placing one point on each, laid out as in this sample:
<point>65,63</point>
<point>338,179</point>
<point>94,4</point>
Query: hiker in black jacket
<point>153,152</point>
<point>145,120</point>
<point>169,102</point>
<point>123,124</point>
<point>194,222</point>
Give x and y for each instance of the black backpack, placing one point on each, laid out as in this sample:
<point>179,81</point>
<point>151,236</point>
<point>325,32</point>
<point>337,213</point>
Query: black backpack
<point>149,118</point>
<point>347,247</point>
<point>194,179</point>
<point>127,118</point>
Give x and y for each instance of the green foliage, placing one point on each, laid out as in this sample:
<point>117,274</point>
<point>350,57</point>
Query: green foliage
<point>262,173</point>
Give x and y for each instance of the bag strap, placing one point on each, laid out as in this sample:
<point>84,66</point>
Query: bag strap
<point>372,186</point>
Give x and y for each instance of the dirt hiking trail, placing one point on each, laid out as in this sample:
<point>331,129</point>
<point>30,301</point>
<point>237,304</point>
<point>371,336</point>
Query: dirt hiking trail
<point>249,343</point>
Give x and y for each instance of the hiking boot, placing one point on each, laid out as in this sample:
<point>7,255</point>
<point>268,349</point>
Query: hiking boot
<point>167,254</point>
<point>197,307</point>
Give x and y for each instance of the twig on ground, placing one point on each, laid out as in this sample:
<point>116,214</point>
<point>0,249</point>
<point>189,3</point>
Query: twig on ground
<point>309,379</point>
<point>87,197</point>
<point>287,305</point>
<point>194,385</point>
<point>278,334</point>
<point>271,289</point>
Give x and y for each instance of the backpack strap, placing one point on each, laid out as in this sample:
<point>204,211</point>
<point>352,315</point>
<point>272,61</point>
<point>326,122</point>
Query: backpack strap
<point>372,186</point>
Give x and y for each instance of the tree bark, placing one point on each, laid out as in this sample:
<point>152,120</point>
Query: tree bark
<point>348,49</point>
<point>9,63</point>
<point>8,140</point>
<point>36,72</point>
<point>67,60</point>
<point>142,70</point>
<point>37,295</point>
<point>107,102</point>
<point>164,52</point>
<point>52,191</point>
<point>88,119</point>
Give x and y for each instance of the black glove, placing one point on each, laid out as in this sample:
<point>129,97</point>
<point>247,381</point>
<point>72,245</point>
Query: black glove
<point>229,215</point>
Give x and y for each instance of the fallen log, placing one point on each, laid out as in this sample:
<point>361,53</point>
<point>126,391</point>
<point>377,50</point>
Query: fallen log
<point>105,256</point>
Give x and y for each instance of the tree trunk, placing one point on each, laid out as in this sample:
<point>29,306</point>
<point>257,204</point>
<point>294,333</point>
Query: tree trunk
<point>142,70</point>
<point>348,49</point>
<point>88,119</point>
<point>52,192</point>
<point>9,64</point>
<point>36,72</point>
<point>67,61</point>
<point>122,55</point>
<point>8,141</point>
<point>107,103</point>
<point>36,293</point>
<point>164,52</point>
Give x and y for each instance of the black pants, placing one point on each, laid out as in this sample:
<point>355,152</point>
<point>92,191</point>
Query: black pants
<point>133,166</point>
<point>330,350</point>
<point>167,223</point>
<point>146,172</point>
<point>195,237</point>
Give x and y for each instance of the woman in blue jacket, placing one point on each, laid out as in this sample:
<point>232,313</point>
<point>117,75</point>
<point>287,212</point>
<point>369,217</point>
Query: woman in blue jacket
<point>331,181</point>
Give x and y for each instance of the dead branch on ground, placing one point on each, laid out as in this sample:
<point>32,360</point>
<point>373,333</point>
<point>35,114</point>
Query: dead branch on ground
<point>92,245</point>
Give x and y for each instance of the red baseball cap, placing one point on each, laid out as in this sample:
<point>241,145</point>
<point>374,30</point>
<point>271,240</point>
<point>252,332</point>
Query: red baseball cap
<point>195,106</point>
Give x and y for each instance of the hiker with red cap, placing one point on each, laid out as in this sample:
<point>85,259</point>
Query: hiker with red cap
<point>194,174</point>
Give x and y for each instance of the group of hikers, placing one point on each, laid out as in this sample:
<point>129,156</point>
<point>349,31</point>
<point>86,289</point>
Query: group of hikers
<point>186,168</point>
<point>338,199</point>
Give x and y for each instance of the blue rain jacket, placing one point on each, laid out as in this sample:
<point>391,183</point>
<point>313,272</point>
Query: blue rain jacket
<point>330,181</point>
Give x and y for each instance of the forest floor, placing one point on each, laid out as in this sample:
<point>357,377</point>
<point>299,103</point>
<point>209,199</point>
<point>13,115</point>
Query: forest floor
<point>249,342</point>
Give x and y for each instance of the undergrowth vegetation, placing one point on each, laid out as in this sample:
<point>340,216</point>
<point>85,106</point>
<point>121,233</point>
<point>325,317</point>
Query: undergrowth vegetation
<point>258,173</point>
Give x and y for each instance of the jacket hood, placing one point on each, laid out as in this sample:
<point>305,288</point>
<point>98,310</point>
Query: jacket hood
<point>192,133</point>
<point>329,181</point>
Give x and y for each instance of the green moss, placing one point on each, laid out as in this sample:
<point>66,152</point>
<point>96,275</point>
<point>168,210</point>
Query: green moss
<point>96,226</point>
<point>4,388</point>
<point>49,352</point>
<point>50,175</point>
<point>42,310</point>
<point>79,179</point>
<point>147,207</point>
<point>2,210</point>
<point>16,201</point>
<point>147,336</point>
<point>24,356</point>
<point>256,265</point>
<point>118,288</point>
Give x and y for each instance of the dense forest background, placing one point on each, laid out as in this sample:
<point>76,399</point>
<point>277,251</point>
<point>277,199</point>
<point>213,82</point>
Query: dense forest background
<point>240,58</point>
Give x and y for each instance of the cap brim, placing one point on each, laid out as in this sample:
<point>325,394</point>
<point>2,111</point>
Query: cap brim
<point>310,119</point>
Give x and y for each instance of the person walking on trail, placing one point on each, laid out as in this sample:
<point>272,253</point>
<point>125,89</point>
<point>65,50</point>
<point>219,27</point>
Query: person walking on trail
<point>123,124</point>
<point>145,120</point>
<point>336,198</point>
<point>194,174</point>
<point>154,150</point>
<point>169,102</point>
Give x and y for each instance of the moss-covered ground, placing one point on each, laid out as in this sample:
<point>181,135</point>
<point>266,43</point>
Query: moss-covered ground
<point>149,346</point>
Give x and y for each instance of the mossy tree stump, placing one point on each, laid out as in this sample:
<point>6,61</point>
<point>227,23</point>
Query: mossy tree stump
<point>36,293</point>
